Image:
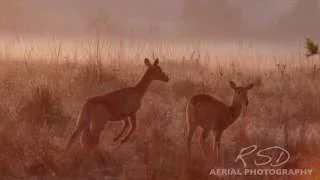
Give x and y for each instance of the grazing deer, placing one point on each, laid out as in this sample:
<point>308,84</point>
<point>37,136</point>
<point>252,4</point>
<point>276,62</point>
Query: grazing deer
<point>212,114</point>
<point>118,105</point>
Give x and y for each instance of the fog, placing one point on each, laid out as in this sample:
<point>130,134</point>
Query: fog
<point>257,19</point>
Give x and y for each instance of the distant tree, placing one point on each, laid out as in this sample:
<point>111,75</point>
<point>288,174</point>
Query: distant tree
<point>11,14</point>
<point>102,24</point>
<point>190,12</point>
<point>303,19</point>
<point>211,17</point>
<point>20,16</point>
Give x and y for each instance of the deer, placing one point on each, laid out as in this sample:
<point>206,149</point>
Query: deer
<point>211,114</point>
<point>120,105</point>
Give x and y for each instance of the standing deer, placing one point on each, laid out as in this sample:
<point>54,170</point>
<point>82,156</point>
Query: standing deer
<point>118,105</point>
<point>213,115</point>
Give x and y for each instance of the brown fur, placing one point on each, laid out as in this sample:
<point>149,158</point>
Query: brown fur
<point>213,115</point>
<point>114,106</point>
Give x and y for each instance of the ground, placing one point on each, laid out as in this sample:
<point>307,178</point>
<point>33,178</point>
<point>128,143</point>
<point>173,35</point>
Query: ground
<point>41,98</point>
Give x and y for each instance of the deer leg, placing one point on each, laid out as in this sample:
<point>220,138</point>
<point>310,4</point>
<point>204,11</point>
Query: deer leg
<point>84,156</point>
<point>217,144</point>
<point>191,132</point>
<point>79,162</point>
<point>133,122</point>
<point>126,125</point>
<point>99,157</point>
<point>205,134</point>
<point>90,136</point>
<point>89,142</point>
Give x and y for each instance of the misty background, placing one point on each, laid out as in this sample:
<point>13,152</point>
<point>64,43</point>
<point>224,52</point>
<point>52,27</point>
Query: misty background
<point>262,19</point>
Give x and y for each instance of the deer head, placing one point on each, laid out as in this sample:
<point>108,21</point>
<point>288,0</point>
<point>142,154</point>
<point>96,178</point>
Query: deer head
<point>154,71</point>
<point>241,94</point>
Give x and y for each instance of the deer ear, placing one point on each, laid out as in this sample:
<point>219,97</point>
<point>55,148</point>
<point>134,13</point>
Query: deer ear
<point>156,62</point>
<point>147,62</point>
<point>233,85</point>
<point>250,86</point>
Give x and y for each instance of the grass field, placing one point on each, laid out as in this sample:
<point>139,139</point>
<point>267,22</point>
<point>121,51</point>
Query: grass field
<point>42,89</point>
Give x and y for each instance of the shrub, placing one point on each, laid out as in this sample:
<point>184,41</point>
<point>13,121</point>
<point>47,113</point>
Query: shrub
<point>43,107</point>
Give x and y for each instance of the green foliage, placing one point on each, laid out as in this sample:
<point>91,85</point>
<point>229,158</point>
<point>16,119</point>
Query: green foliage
<point>312,48</point>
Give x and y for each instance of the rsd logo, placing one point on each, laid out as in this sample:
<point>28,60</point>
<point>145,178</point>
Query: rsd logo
<point>263,157</point>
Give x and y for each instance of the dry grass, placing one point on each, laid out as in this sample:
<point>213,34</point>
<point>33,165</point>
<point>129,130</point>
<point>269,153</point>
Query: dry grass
<point>40,101</point>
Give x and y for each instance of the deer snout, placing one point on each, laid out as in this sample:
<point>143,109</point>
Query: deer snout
<point>166,78</point>
<point>245,101</point>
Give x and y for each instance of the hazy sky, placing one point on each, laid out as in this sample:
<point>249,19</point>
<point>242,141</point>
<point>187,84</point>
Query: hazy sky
<point>76,15</point>
<point>259,13</point>
<point>155,11</point>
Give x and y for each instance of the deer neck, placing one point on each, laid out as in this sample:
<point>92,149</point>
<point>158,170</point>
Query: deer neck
<point>144,83</point>
<point>235,110</point>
